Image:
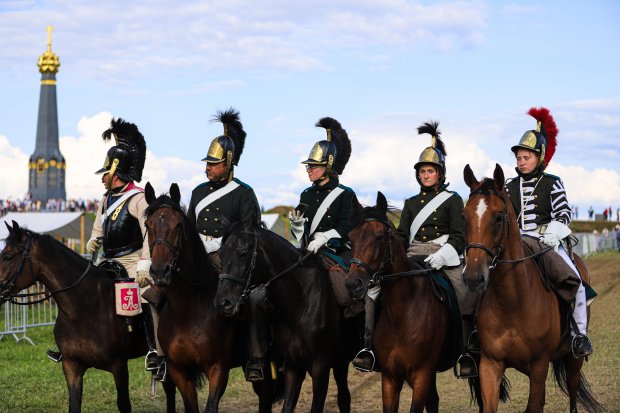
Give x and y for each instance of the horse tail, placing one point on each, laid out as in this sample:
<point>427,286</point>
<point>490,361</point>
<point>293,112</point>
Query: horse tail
<point>278,389</point>
<point>476,393</point>
<point>585,397</point>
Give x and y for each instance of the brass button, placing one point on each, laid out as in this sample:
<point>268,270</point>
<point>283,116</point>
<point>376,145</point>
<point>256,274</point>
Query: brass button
<point>435,227</point>
<point>217,230</point>
<point>207,209</point>
<point>211,188</point>
<point>423,237</point>
<point>435,219</point>
<point>329,216</point>
<point>422,201</point>
<point>217,209</point>
<point>206,219</point>
<point>216,219</point>
<point>423,229</point>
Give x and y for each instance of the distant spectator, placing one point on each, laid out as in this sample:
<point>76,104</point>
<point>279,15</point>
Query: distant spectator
<point>618,237</point>
<point>590,213</point>
<point>576,212</point>
<point>605,214</point>
<point>618,214</point>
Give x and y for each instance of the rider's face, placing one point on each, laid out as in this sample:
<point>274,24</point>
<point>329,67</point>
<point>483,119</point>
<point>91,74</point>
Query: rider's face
<point>526,161</point>
<point>428,175</point>
<point>315,172</point>
<point>216,171</point>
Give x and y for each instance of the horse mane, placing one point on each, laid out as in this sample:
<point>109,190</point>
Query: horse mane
<point>46,242</point>
<point>359,215</point>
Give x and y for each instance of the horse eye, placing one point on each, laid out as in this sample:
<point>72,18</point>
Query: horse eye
<point>498,218</point>
<point>379,237</point>
<point>7,257</point>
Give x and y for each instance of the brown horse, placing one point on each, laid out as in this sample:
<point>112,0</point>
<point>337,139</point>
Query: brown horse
<point>519,320</point>
<point>412,335</point>
<point>197,340</point>
<point>87,330</point>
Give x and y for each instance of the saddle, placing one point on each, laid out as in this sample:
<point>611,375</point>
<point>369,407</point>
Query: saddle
<point>115,269</point>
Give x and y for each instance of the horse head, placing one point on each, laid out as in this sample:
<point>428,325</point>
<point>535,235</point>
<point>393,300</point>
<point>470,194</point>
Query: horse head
<point>164,224</point>
<point>16,266</point>
<point>238,253</point>
<point>487,217</point>
<point>371,245</point>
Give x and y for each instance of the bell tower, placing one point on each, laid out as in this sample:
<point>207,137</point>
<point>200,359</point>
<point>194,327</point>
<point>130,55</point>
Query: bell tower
<point>46,169</point>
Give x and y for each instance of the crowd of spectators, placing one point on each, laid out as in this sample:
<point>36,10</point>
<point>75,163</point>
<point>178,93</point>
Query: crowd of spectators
<point>52,205</point>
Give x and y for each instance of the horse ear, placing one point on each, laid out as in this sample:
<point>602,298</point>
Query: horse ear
<point>382,204</point>
<point>175,193</point>
<point>470,178</point>
<point>10,228</point>
<point>149,193</point>
<point>498,177</point>
<point>16,227</point>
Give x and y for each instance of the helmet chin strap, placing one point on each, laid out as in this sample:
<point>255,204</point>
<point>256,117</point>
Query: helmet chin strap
<point>111,174</point>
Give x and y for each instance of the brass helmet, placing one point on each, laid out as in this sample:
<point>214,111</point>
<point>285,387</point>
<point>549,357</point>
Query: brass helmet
<point>229,146</point>
<point>126,158</point>
<point>333,153</point>
<point>541,141</point>
<point>434,154</point>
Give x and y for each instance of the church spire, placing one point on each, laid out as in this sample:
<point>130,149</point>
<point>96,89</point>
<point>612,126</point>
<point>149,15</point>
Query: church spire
<point>49,61</point>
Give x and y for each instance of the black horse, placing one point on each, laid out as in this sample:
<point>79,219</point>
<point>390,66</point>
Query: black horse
<point>310,332</point>
<point>197,340</point>
<point>87,330</point>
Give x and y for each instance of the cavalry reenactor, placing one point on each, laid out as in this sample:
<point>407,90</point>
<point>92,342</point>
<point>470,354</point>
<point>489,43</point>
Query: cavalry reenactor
<point>223,199</point>
<point>433,231</point>
<point>543,211</point>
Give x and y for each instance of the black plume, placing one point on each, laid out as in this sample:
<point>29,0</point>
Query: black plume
<point>432,128</point>
<point>128,137</point>
<point>233,129</point>
<point>341,139</point>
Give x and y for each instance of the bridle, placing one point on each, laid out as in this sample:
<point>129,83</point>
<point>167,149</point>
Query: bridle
<point>5,288</point>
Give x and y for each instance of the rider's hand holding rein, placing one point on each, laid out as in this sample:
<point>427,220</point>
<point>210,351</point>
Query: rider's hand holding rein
<point>142,273</point>
<point>321,239</point>
<point>554,234</point>
<point>446,255</point>
<point>94,244</point>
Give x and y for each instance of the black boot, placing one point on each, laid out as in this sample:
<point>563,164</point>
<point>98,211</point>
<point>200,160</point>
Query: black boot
<point>582,346</point>
<point>258,324</point>
<point>150,361</point>
<point>54,355</point>
<point>466,364</point>
<point>365,358</point>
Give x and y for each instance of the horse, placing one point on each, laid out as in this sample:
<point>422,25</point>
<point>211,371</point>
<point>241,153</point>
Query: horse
<point>519,319</point>
<point>87,330</point>
<point>310,333</point>
<point>412,334</point>
<point>196,339</point>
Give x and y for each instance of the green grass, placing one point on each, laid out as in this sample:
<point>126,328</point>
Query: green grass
<point>29,382</point>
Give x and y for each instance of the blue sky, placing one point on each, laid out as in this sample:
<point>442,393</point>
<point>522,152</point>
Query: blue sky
<point>381,67</point>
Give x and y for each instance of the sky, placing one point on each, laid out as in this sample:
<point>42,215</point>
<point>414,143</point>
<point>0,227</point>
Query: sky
<point>380,67</point>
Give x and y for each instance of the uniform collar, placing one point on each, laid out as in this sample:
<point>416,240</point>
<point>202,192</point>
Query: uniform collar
<point>333,183</point>
<point>536,173</point>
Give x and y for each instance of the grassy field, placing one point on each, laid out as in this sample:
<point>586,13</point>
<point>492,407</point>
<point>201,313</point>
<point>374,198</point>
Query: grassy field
<point>31,383</point>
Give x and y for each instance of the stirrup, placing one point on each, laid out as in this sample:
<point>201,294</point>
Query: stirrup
<point>161,372</point>
<point>457,367</point>
<point>254,372</point>
<point>360,354</point>
<point>55,356</point>
<point>146,361</point>
<point>588,349</point>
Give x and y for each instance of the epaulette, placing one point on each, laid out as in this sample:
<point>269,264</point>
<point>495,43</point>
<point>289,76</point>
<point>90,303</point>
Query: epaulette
<point>243,184</point>
<point>412,198</point>
<point>201,185</point>
<point>509,180</point>
<point>346,188</point>
<point>307,189</point>
<point>554,177</point>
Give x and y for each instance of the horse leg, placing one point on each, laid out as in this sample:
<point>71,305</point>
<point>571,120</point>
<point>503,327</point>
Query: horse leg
<point>292,386</point>
<point>390,392</point>
<point>265,391</point>
<point>170,390</point>
<point>420,384</point>
<point>186,387</point>
<point>74,375</point>
<point>538,376</point>
<point>432,401</point>
<point>573,377</point>
<point>320,383</point>
<point>218,379</point>
<point>121,380</point>
<point>491,373</point>
<point>341,376</point>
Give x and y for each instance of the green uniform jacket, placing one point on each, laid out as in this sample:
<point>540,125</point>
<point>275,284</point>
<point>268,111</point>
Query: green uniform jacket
<point>338,215</point>
<point>239,205</point>
<point>446,219</point>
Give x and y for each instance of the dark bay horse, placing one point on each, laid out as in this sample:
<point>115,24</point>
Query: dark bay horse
<point>519,320</point>
<point>87,330</point>
<point>310,332</point>
<point>412,334</point>
<point>197,340</point>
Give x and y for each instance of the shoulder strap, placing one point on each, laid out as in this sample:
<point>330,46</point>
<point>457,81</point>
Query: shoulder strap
<point>214,196</point>
<point>426,212</point>
<point>320,213</point>
<point>119,201</point>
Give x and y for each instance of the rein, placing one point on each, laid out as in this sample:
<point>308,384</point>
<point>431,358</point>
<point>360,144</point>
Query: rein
<point>26,257</point>
<point>505,234</point>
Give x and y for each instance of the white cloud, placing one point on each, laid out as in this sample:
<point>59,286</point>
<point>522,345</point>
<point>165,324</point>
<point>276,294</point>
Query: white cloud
<point>14,176</point>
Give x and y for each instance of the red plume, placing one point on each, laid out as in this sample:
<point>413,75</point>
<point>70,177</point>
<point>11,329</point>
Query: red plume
<point>550,130</point>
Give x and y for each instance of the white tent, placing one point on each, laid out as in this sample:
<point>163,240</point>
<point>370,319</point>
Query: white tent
<point>57,224</point>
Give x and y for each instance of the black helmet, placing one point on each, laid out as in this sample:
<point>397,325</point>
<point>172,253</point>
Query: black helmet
<point>229,146</point>
<point>434,154</point>
<point>333,153</point>
<point>126,158</point>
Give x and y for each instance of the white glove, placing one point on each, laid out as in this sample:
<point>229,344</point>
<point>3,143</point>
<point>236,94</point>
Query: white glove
<point>212,244</point>
<point>297,223</point>
<point>142,273</point>
<point>555,232</point>
<point>320,239</point>
<point>446,255</point>
<point>94,244</point>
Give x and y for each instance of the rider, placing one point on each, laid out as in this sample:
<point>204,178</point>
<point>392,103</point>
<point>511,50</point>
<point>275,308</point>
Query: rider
<point>119,224</point>
<point>223,195</point>
<point>431,226</point>
<point>542,208</point>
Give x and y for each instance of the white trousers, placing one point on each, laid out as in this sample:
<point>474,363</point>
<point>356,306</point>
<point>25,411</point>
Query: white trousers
<point>580,313</point>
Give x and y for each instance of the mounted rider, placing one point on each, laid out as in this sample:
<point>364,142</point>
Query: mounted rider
<point>543,211</point>
<point>433,231</point>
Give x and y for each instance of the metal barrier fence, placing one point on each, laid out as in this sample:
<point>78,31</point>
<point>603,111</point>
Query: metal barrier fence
<point>16,319</point>
<point>590,243</point>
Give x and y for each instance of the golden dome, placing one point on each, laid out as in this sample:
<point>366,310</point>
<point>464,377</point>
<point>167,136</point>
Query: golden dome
<point>49,61</point>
